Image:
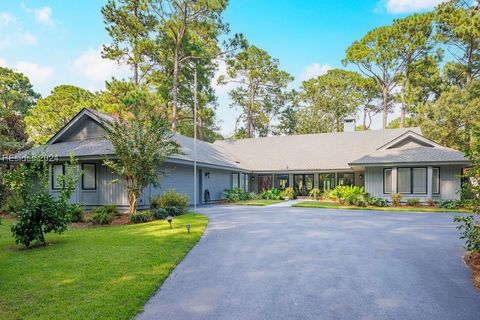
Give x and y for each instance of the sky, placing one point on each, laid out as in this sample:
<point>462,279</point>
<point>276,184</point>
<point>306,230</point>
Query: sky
<point>57,42</point>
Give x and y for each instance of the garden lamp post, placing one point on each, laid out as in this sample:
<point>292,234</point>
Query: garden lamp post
<point>169,219</point>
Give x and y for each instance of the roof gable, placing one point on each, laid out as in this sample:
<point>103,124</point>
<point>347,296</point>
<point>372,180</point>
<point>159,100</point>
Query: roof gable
<point>409,139</point>
<point>86,124</point>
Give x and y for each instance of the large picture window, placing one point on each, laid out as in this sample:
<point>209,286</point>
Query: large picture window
<point>412,180</point>
<point>281,181</point>
<point>387,180</point>
<point>58,170</point>
<point>346,179</point>
<point>435,180</point>
<point>89,177</point>
<point>326,181</point>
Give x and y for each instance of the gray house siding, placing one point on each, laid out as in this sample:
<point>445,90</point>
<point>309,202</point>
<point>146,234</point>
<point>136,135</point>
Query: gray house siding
<point>450,183</point>
<point>215,181</point>
<point>84,129</point>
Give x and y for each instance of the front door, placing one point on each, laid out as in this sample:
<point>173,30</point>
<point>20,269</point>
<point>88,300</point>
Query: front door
<point>303,183</point>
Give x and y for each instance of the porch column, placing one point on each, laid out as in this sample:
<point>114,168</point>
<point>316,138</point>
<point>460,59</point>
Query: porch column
<point>394,180</point>
<point>429,182</point>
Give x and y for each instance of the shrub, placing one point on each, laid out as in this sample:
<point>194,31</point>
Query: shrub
<point>413,202</point>
<point>253,195</point>
<point>396,198</point>
<point>315,193</point>
<point>430,202</point>
<point>288,193</point>
<point>160,213</point>
<point>75,213</point>
<point>103,215</point>
<point>450,204</point>
<point>272,194</point>
<point>347,194</point>
<point>173,211</point>
<point>170,198</point>
<point>237,194</point>
<point>41,214</point>
<point>377,202</point>
<point>141,216</point>
<point>361,203</point>
<point>12,204</point>
<point>470,232</point>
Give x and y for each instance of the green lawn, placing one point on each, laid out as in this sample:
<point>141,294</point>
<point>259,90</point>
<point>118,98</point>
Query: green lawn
<point>257,202</point>
<point>336,205</point>
<point>92,273</point>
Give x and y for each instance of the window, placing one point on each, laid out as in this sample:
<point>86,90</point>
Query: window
<point>412,180</point>
<point>436,180</point>
<point>404,182</point>
<point>58,170</point>
<point>326,181</point>
<point>345,179</point>
<point>246,183</point>
<point>235,183</point>
<point>281,181</point>
<point>89,177</point>
<point>419,180</point>
<point>264,182</point>
<point>387,180</point>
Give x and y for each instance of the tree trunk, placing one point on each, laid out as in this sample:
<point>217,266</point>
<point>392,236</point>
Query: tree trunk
<point>385,106</point>
<point>133,201</point>
<point>250,115</point>
<point>468,69</point>
<point>365,119</point>
<point>135,74</point>
<point>175,89</point>
<point>201,130</point>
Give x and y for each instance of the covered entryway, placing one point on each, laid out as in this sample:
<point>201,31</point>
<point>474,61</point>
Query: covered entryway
<point>302,183</point>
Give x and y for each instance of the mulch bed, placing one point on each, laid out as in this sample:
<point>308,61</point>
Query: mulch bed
<point>120,219</point>
<point>473,261</point>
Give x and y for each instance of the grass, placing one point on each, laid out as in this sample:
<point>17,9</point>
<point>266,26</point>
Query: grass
<point>257,202</point>
<point>92,273</point>
<point>336,205</point>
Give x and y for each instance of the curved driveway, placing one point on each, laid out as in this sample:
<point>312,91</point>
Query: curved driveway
<point>300,263</point>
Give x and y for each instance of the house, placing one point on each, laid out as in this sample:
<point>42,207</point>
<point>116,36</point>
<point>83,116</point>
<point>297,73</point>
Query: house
<point>384,161</point>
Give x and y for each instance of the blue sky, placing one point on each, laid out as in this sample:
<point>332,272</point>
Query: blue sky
<point>58,42</point>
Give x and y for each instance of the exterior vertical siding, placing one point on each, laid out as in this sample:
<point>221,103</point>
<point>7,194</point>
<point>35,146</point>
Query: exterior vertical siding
<point>450,182</point>
<point>374,182</point>
<point>216,182</point>
<point>178,177</point>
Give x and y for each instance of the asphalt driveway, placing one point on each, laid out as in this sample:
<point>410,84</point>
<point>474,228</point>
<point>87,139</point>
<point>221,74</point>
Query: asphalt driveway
<point>302,263</point>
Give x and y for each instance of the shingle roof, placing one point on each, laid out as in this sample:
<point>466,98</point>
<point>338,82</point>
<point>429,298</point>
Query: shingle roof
<point>411,155</point>
<point>324,151</point>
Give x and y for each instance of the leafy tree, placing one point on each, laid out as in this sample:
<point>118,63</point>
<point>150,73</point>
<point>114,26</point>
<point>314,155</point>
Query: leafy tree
<point>458,25</point>
<point>376,56</point>
<point>395,123</point>
<point>129,23</point>
<point>16,98</point>
<point>50,114</point>
<point>470,225</point>
<point>287,121</point>
<point>413,41</point>
<point>188,31</point>
<point>261,88</point>
<point>451,119</point>
<point>142,142</point>
<point>40,212</point>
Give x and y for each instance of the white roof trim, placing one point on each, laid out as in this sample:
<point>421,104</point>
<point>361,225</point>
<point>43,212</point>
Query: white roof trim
<point>410,134</point>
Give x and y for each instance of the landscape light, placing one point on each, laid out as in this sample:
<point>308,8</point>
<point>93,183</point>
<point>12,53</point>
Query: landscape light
<point>169,219</point>
<point>188,227</point>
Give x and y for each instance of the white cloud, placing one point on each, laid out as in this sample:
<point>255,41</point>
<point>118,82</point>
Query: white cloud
<point>93,67</point>
<point>36,73</point>
<point>314,70</point>
<point>407,6</point>
<point>3,63</point>
<point>43,15</point>
<point>7,18</point>
<point>27,38</point>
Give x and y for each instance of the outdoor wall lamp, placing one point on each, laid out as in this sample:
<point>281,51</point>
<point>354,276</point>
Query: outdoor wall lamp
<point>188,227</point>
<point>169,219</point>
<point>207,175</point>
<point>361,176</point>
<point>253,178</point>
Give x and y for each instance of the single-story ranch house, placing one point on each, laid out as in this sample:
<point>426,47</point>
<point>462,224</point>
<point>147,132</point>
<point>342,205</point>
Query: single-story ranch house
<point>384,161</point>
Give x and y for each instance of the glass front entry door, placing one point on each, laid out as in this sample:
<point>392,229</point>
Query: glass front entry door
<point>303,183</point>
